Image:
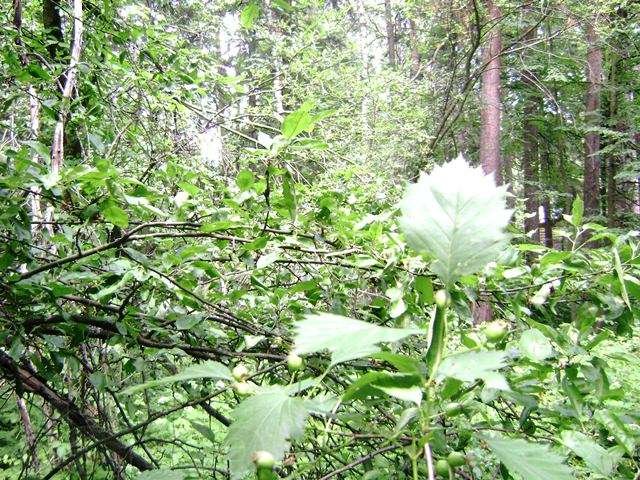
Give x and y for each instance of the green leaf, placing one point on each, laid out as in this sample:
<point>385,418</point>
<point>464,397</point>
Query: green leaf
<point>577,212</point>
<point>161,475</point>
<point>266,421</point>
<point>535,346</point>
<point>114,214</point>
<point>623,286</point>
<point>457,215</point>
<point>249,15</point>
<point>299,121</point>
<point>203,430</point>
<point>530,460</point>
<point>595,456</point>
<point>617,428</point>
<point>471,366</point>
<point>245,179</point>
<point>401,386</point>
<point>202,370</point>
<point>345,338</point>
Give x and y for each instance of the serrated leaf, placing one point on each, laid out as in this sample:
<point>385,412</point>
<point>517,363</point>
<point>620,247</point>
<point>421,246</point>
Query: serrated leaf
<point>266,421</point>
<point>299,121</point>
<point>595,456</point>
<point>345,338</point>
<point>397,385</point>
<point>535,346</point>
<point>457,215</point>
<point>202,370</point>
<point>114,214</point>
<point>577,212</point>
<point>249,15</point>
<point>530,460</point>
<point>617,428</point>
<point>203,430</point>
<point>471,366</point>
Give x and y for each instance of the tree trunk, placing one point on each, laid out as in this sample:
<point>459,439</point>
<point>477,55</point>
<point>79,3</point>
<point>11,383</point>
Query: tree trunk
<point>391,34</point>
<point>490,98</point>
<point>530,160</point>
<point>591,185</point>
<point>490,125</point>
<point>415,51</point>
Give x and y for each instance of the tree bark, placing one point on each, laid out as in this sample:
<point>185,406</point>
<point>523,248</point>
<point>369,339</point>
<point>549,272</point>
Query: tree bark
<point>28,380</point>
<point>490,98</point>
<point>591,181</point>
<point>391,34</point>
<point>415,51</point>
<point>530,154</point>
<point>490,124</point>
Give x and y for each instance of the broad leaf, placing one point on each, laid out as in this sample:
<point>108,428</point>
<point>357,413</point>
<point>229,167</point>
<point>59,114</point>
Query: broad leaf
<point>471,366</point>
<point>535,346</point>
<point>344,337</point>
<point>266,421</point>
<point>249,14</point>
<point>595,456</point>
<point>202,370</point>
<point>400,386</point>
<point>618,429</point>
<point>530,460</point>
<point>457,215</point>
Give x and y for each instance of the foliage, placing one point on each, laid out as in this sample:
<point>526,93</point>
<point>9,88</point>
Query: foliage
<point>232,192</point>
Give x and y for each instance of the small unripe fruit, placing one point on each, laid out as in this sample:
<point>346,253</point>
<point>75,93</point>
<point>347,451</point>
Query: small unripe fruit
<point>456,459</point>
<point>294,362</point>
<point>452,409</point>
<point>495,331</point>
<point>242,388</point>
<point>442,468</point>
<point>442,298</point>
<point>240,373</point>
<point>263,459</point>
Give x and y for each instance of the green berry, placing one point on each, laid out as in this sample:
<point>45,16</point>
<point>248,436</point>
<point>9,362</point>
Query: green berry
<point>456,459</point>
<point>263,459</point>
<point>495,331</point>
<point>294,362</point>
<point>442,468</point>
<point>240,373</point>
<point>442,298</point>
<point>242,388</point>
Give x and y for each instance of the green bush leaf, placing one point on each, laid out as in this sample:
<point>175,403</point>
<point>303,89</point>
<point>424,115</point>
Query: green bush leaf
<point>535,346</point>
<point>249,15</point>
<point>470,366</point>
<point>457,215</point>
<point>266,421</point>
<point>530,460</point>
<point>595,456</point>
<point>202,370</point>
<point>345,338</point>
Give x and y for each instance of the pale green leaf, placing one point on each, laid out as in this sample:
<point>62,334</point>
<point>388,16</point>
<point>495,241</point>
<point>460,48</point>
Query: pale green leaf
<point>535,346</point>
<point>595,456</point>
<point>577,212</point>
<point>471,366</point>
<point>249,15</point>
<point>616,427</point>
<point>266,421</point>
<point>202,370</point>
<point>530,460</point>
<point>457,215</point>
<point>345,338</point>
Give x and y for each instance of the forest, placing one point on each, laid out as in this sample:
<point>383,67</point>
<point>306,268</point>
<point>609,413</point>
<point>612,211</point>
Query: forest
<point>319,239</point>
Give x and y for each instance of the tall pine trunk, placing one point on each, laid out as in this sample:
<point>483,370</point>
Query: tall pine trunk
<point>490,98</point>
<point>591,185</point>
